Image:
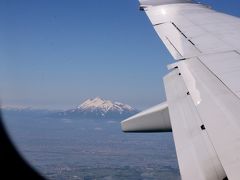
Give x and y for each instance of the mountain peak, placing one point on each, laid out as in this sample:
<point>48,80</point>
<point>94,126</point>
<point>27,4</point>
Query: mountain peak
<point>103,105</point>
<point>99,108</point>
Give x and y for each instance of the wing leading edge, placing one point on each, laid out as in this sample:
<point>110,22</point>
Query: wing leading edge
<point>202,88</point>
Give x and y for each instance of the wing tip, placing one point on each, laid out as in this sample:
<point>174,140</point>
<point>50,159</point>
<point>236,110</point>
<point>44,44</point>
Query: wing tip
<point>155,119</point>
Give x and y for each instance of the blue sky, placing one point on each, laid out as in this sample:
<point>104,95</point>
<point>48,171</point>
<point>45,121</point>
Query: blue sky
<point>55,54</point>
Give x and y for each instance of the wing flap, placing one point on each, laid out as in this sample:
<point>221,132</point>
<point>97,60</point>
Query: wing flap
<point>196,155</point>
<point>218,108</point>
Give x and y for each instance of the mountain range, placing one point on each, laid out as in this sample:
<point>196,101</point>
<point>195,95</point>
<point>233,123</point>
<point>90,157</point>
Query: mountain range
<point>96,108</point>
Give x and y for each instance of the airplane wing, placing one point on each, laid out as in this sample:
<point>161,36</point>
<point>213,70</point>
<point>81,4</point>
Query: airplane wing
<point>155,119</point>
<point>202,87</point>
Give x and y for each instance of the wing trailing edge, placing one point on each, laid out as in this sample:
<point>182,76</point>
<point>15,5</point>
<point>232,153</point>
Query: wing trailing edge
<point>155,119</point>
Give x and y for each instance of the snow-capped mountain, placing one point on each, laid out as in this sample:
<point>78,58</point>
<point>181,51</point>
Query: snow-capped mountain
<point>102,109</point>
<point>103,105</point>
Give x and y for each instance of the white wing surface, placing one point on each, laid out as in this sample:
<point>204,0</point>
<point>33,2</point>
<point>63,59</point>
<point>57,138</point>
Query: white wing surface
<point>155,119</point>
<point>203,86</point>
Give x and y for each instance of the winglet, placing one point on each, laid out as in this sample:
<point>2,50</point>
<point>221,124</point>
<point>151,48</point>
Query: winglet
<point>155,119</point>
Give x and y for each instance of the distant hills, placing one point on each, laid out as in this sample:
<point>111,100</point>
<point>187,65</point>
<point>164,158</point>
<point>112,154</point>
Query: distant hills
<point>25,112</point>
<point>96,108</point>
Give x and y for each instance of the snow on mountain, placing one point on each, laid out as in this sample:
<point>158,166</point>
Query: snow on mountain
<point>103,105</point>
<point>15,108</point>
<point>101,108</point>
